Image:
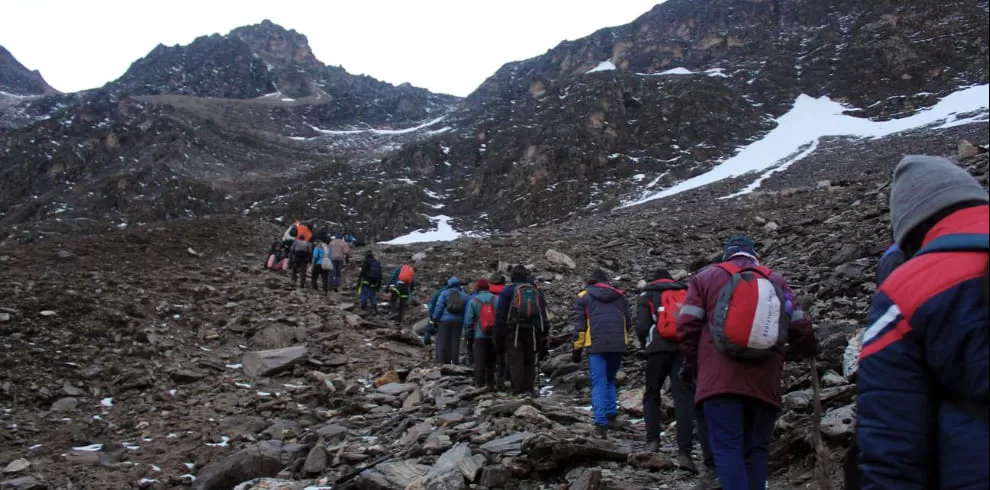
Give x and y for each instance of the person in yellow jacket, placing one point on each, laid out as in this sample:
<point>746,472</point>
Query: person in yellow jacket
<point>601,327</point>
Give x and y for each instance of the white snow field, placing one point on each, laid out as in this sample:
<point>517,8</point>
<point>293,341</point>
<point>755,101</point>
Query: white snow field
<point>443,233</point>
<point>798,131</point>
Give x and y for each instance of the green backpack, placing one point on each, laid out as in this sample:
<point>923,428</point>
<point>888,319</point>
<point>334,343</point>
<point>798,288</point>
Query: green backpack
<point>526,304</point>
<point>455,302</point>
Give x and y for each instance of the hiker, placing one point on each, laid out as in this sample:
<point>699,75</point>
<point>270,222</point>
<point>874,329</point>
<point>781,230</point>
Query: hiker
<point>301,251</point>
<point>322,235</point>
<point>922,376</point>
<point>448,314</point>
<point>656,327</point>
<point>479,322</point>
<point>736,367</point>
<point>601,326</point>
<point>401,284</point>
<point>520,329</point>
<point>369,282</point>
<point>496,284</point>
<point>338,253</point>
<point>322,266</point>
<point>303,231</point>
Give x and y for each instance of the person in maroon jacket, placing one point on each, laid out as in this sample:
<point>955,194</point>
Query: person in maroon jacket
<point>740,398</point>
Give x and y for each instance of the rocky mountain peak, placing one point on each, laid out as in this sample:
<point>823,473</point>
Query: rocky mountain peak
<point>16,79</point>
<point>278,46</point>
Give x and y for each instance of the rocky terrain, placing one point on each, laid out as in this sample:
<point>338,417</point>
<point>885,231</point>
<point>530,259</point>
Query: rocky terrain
<point>136,358</point>
<point>145,346</point>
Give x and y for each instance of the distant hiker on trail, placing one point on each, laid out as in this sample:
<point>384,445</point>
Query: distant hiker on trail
<point>431,327</point>
<point>322,266</point>
<point>601,326</point>
<point>370,282</point>
<point>657,308</point>
<point>922,404</point>
<point>401,284</point>
<point>520,329</point>
<point>338,253</point>
<point>448,314</point>
<point>737,365</point>
<point>301,252</point>
<point>322,235</point>
<point>480,322</point>
<point>303,231</point>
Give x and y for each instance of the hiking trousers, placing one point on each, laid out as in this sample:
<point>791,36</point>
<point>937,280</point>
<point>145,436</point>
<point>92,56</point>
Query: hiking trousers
<point>448,347</point>
<point>336,274</point>
<point>369,296</point>
<point>660,366</point>
<point>603,367</point>
<point>740,429</point>
<point>320,277</point>
<point>299,262</point>
<point>520,349</point>
<point>484,362</point>
<point>398,299</point>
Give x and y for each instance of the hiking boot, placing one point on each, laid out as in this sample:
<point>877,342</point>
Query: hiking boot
<point>601,431</point>
<point>613,421</point>
<point>708,481</point>
<point>685,463</point>
<point>653,447</point>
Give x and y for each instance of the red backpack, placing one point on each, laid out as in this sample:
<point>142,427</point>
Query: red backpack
<point>665,316</point>
<point>750,320</point>
<point>486,316</point>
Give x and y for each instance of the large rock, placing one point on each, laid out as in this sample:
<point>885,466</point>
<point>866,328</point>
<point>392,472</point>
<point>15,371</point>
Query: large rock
<point>506,446</point>
<point>258,460</point>
<point>632,401</point>
<point>269,362</point>
<point>66,404</point>
<point>560,259</point>
<point>396,389</point>
<point>23,483</point>
<point>450,470</point>
<point>316,460</point>
<point>840,423</point>
<point>420,326</point>
<point>801,399</point>
<point>399,474</point>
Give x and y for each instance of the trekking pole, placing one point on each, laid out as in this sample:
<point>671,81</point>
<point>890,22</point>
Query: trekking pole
<point>823,471</point>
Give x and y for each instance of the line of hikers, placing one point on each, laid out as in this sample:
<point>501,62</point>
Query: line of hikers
<point>922,380</point>
<point>923,385</point>
<point>504,327</point>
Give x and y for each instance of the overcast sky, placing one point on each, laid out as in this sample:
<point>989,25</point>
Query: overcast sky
<point>448,46</point>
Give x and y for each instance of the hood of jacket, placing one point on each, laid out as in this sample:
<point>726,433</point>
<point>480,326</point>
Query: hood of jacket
<point>453,282</point>
<point>663,285</point>
<point>604,292</point>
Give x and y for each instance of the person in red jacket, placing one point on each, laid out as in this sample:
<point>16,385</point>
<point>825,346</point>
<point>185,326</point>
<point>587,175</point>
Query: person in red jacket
<point>740,397</point>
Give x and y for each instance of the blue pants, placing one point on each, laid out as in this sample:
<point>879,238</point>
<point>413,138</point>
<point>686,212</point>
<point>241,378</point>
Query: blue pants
<point>369,297</point>
<point>603,368</point>
<point>336,274</point>
<point>740,429</point>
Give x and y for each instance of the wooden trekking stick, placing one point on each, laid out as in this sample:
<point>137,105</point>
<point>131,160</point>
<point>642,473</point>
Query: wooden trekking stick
<point>823,465</point>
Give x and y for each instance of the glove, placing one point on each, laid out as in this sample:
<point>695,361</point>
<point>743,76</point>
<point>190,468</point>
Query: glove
<point>576,356</point>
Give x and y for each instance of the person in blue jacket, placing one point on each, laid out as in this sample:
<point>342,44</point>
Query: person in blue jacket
<point>922,377</point>
<point>320,251</point>
<point>480,340</point>
<point>449,320</point>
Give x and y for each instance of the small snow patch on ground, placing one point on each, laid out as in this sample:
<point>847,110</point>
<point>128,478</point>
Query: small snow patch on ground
<point>680,70</point>
<point>92,448</point>
<point>107,402</point>
<point>603,66</point>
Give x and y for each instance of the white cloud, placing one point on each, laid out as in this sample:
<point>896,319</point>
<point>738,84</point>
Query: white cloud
<point>447,46</point>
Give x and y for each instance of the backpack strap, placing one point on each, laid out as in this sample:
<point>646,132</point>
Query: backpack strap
<point>958,242</point>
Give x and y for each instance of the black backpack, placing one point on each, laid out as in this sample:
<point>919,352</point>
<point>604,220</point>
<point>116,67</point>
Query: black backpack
<point>374,271</point>
<point>455,302</point>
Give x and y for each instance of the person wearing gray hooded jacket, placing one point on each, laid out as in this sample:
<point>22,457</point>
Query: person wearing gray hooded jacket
<point>448,315</point>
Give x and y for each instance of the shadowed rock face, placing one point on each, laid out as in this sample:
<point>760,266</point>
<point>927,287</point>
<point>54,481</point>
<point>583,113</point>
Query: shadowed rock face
<point>17,80</point>
<point>251,122</point>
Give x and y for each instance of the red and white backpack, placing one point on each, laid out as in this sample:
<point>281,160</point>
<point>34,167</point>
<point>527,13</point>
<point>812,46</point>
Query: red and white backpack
<point>750,319</point>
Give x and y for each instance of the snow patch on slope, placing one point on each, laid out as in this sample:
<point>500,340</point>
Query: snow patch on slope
<point>345,132</point>
<point>798,131</point>
<point>603,66</point>
<point>443,233</point>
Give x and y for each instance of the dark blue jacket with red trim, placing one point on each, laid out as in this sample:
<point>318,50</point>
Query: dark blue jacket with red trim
<point>923,370</point>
